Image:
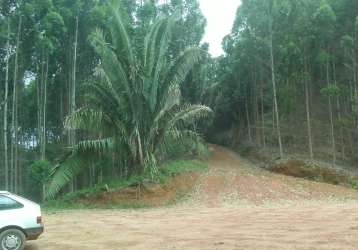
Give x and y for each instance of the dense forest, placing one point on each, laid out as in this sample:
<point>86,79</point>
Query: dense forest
<point>289,78</point>
<point>96,89</point>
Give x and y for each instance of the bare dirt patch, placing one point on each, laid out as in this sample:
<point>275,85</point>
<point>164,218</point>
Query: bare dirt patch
<point>232,206</point>
<point>316,226</point>
<point>232,180</point>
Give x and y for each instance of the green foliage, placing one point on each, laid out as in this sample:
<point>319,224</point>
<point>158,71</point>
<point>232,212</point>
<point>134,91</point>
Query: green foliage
<point>355,105</point>
<point>40,171</point>
<point>347,41</point>
<point>331,90</point>
<point>165,172</point>
<point>134,107</point>
<point>323,57</point>
<point>325,13</point>
<point>314,56</point>
<point>182,166</point>
<point>246,149</point>
<point>155,53</point>
<point>140,73</point>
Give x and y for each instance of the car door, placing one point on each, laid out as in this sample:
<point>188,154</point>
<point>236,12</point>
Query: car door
<point>11,213</point>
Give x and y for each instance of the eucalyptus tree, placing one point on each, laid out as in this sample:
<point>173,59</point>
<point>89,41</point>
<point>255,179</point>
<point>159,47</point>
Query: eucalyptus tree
<point>301,48</point>
<point>305,41</point>
<point>326,18</point>
<point>15,108</point>
<point>134,108</point>
<point>349,43</point>
<point>190,26</point>
<point>6,98</point>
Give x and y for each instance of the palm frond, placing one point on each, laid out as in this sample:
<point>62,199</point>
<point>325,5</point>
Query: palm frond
<point>120,37</point>
<point>179,142</point>
<point>189,114</point>
<point>97,146</point>
<point>179,70</point>
<point>86,119</point>
<point>63,174</point>
<point>164,41</point>
<point>111,69</point>
<point>172,100</point>
<point>183,65</point>
<point>150,47</point>
<point>155,48</point>
<point>105,98</point>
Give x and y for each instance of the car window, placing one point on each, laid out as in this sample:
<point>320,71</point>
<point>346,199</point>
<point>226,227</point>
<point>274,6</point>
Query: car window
<point>7,203</point>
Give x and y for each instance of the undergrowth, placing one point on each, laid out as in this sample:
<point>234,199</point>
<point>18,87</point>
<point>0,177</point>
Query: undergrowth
<point>164,175</point>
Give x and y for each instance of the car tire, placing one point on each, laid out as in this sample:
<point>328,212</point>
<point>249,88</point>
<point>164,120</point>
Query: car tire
<point>12,239</point>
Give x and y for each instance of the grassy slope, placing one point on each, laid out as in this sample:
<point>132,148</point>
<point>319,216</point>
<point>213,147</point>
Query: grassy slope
<point>165,175</point>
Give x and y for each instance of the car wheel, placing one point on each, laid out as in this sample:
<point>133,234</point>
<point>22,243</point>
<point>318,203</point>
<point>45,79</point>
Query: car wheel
<point>12,239</point>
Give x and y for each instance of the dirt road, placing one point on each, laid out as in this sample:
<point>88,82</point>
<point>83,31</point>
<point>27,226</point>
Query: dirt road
<point>234,206</point>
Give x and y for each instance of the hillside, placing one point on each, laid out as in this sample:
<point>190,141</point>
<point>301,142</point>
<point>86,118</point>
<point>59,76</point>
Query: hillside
<point>234,205</point>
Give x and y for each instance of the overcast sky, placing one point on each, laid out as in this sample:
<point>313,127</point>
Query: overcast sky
<point>220,15</point>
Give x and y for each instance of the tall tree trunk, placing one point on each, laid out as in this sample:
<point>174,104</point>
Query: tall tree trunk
<point>14,126</point>
<point>72,133</point>
<point>339,112</point>
<point>73,86</point>
<point>61,104</point>
<point>308,113</point>
<point>248,121</point>
<point>263,115</point>
<point>6,160</point>
<point>273,76</point>
<point>333,140</point>
<point>140,150</point>
<point>69,90</point>
<point>43,142</point>
<point>256,110</point>
<point>41,84</point>
<point>354,69</point>
<point>38,95</point>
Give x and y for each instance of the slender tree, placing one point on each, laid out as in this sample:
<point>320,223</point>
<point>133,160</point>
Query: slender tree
<point>14,126</point>
<point>273,77</point>
<point>308,110</point>
<point>44,104</point>
<point>6,160</point>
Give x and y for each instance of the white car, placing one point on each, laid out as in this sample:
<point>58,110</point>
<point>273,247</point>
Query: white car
<point>20,220</point>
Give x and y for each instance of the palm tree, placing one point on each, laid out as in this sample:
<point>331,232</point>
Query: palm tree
<point>135,108</point>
